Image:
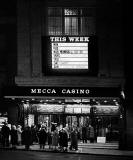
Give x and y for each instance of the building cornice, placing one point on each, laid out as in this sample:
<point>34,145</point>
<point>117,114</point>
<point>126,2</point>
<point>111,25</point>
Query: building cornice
<point>70,81</point>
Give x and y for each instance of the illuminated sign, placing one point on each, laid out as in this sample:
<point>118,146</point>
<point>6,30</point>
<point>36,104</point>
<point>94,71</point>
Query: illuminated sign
<point>49,108</point>
<point>14,92</point>
<point>69,52</point>
<point>69,55</point>
<point>107,110</point>
<point>77,108</point>
<point>69,39</point>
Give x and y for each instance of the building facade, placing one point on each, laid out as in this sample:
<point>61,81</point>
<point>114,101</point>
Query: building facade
<point>70,67</point>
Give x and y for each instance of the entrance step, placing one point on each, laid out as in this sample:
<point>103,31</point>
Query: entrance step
<point>98,145</point>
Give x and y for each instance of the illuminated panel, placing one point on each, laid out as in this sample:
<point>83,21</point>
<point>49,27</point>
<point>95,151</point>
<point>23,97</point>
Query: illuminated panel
<point>86,110</point>
<point>69,55</point>
<point>50,108</point>
<point>77,108</point>
<point>68,110</point>
<point>107,109</point>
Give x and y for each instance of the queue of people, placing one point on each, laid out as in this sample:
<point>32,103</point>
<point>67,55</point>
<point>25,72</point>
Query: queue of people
<point>56,137</point>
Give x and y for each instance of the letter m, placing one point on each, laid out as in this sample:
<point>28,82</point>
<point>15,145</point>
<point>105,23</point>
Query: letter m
<point>33,90</point>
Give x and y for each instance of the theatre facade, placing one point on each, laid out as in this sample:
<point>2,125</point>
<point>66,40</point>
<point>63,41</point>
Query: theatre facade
<point>70,67</point>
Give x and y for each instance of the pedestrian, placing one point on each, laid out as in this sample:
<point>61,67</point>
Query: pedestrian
<point>84,134</point>
<point>19,132</point>
<point>34,134</point>
<point>53,127</point>
<point>14,136</point>
<point>5,132</point>
<point>61,139</point>
<point>74,139</point>
<point>49,138</point>
<point>42,135</point>
<point>27,137</point>
<point>91,134</point>
<point>55,138</point>
<point>65,140</point>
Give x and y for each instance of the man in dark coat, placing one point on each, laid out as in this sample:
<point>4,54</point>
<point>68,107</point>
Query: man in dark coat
<point>84,134</point>
<point>5,132</point>
<point>63,139</point>
<point>42,137</point>
<point>27,137</point>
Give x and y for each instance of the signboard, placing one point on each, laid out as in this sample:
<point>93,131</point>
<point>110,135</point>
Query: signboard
<point>69,55</point>
<point>69,52</point>
<point>21,92</point>
<point>101,139</point>
<point>77,109</point>
<point>107,110</point>
<point>49,108</point>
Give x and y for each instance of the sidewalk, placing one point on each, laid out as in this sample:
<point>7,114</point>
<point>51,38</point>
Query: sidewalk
<point>82,149</point>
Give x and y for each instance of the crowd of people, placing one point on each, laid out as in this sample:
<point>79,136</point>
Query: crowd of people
<point>56,137</point>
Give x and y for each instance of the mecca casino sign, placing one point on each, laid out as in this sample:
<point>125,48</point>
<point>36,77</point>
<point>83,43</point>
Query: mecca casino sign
<point>61,92</point>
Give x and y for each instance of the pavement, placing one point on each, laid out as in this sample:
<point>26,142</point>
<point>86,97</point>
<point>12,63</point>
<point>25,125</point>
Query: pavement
<point>83,148</point>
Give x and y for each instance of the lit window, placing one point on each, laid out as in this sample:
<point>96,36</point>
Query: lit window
<point>71,21</point>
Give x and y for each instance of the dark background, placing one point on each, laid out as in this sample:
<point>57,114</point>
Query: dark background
<point>8,44</point>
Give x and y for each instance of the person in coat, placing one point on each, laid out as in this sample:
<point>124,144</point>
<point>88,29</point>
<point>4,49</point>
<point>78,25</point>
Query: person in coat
<point>19,132</point>
<point>49,138</point>
<point>42,135</point>
<point>74,139</point>
<point>91,133</point>
<point>27,137</point>
<point>14,136</point>
<point>84,134</point>
<point>61,139</point>
<point>5,132</point>
<point>55,138</point>
<point>34,134</point>
<point>65,140</point>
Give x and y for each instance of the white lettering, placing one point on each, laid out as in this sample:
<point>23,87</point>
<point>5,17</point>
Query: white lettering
<point>75,91</point>
<point>44,91</point>
<point>33,90</point>
<point>71,39</point>
<point>58,39</point>
<point>86,39</point>
<point>38,90</point>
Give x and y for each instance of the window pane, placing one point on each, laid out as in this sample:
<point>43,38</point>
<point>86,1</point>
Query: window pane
<point>71,25</point>
<point>54,11</point>
<point>88,12</point>
<point>69,11</point>
<point>87,26</point>
<point>55,25</point>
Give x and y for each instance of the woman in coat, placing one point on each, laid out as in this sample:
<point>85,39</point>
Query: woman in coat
<point>42,137</point>
<point>19,132</point>
<point>55,138</point>
<point>74,139</point>
<point>14,136</point>
<point>91,133</point>
<point>49,137</point>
